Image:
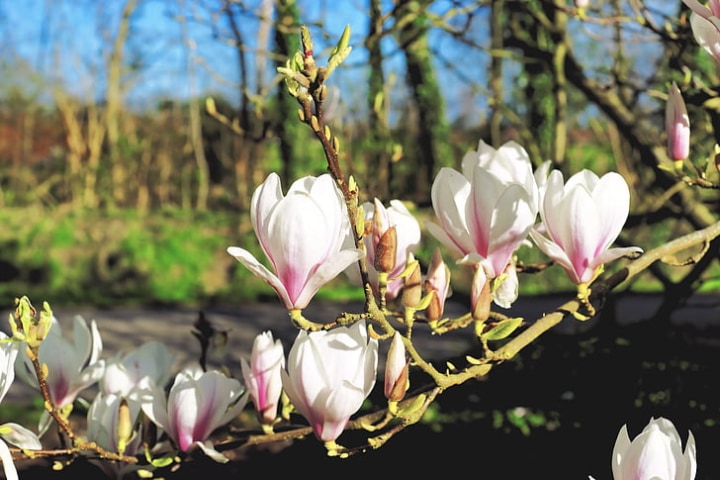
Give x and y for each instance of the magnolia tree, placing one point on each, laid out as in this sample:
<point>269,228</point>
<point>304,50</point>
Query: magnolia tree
<point>146,417</point>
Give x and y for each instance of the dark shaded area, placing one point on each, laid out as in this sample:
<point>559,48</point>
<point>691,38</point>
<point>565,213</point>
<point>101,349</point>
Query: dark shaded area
<point>585,386</point>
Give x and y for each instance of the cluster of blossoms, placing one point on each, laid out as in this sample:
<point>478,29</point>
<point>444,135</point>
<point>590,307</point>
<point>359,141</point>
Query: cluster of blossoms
<point>485,213</point>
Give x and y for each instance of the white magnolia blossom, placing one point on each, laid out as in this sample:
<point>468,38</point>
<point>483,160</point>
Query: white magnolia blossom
<point>124,374</point>
<point>104,428</point>
<point>12,433</point>
<point>581,219</point>
<point>301,234</point>
<point>73,365</point>
<point>655,454</point>
<point>198,404</point>
<point>486,212</point>
<point>329,375</point>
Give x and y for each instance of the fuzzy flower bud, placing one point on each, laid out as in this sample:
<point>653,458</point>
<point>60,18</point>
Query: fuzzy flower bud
<point>397,379</point>
<point>412,291</point>
<point>438,282</point>
<point>386,251</point>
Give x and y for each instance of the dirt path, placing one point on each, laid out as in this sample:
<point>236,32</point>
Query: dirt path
<point>124,329</point>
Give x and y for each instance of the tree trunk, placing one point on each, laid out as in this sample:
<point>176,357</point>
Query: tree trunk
<point>429,150</point>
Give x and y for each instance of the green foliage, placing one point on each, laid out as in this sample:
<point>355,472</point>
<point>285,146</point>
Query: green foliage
<point>175,257</point>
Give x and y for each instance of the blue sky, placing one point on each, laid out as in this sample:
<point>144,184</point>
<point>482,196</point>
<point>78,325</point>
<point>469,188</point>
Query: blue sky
<point>65,42</point>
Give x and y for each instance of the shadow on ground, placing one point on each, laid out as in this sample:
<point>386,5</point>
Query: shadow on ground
<point>553,412</point>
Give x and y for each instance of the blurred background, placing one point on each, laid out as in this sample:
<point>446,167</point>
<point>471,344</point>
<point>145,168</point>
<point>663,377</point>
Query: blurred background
<point>133,133</point>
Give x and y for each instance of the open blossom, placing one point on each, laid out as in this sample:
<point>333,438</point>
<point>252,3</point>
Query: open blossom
<point>581,219</point>
<point>705,24</point>
<point>301,234</point>
<point>655,454</point>
<point>329,375</point>
<point>198,404</point>
<point>487,211</point>
<point>72,365</point>
<point>677,125</point>
<point>12,432</point>
<point>112,423</point>
<point>151,360</point>
<point>407,240</point>
<point>262,375</point>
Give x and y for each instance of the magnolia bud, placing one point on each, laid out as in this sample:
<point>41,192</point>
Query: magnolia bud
<point>397,379</point>
<point>412,290</point>
<point>437,281</point>
<point>386,251</point>
<point>480,296</point>
<point>677,125</point>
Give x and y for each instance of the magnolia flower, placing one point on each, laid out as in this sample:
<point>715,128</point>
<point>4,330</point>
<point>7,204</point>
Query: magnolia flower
<point>12,432</point>
<point>198,403</point>
<point>486,212</point>
<point>112,423</point>
<point>111,426</point>
<point>72,366</point>
<point>329,374</point>
<point>301,234</point>
<point>151,360</point>
<point>677,125</point>
<point>581,219</point>
<point>655,454</point>
<point>705,24</point>
<point>262,375</point>
<point>407,240</point>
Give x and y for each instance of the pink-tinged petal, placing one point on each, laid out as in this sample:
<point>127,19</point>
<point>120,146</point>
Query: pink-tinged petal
<point>581,232</point>
<point>706,34</point>
<point>512,218</point>
<point>486,190</point>
<point>325,272</point>
<point>340,405</point>
<point>677,125</point>
<point>183,406</point>
<point>555,252</point>
<point>698,8</point>
<point>455,249</point>
<point>259,270</point>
